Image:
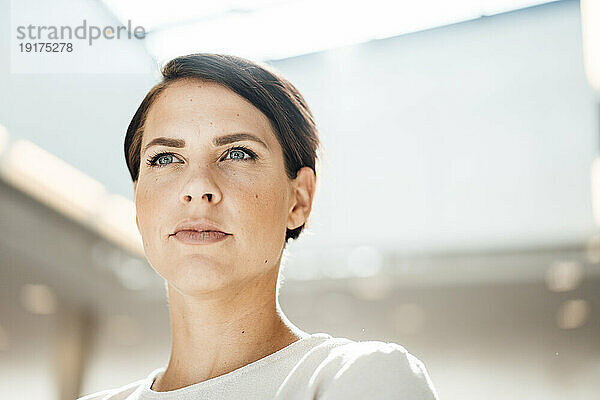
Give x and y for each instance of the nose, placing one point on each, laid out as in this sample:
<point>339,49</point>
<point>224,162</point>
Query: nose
<point>200,187</point>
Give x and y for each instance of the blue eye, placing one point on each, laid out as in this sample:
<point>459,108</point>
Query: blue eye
<point>235,153</point>
<point>241,151</point>
<point>162,158</point>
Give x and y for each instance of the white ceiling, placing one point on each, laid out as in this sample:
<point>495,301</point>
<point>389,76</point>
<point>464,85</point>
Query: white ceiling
<point>268,29</point>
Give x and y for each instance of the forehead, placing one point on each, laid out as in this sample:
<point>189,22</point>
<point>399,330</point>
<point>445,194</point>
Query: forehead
<point>203,104</point>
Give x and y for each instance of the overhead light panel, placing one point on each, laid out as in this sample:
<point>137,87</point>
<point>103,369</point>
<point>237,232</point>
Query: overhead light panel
<point>267,30</point>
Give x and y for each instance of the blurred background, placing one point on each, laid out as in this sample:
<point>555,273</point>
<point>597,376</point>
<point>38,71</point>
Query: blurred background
<point>456,212</point>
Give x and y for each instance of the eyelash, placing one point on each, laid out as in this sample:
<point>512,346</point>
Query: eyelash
<point>152,159</point>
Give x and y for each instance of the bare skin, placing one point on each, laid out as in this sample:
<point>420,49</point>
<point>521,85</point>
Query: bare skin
<point>222,296</point>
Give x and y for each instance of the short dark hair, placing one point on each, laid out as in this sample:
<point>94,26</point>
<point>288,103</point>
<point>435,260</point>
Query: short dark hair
<point>284,106</point>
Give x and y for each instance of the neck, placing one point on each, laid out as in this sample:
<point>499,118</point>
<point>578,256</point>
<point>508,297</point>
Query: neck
<point>216,333</point>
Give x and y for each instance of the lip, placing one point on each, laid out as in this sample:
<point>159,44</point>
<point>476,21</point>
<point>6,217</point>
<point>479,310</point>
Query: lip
<point>195,237</point>
<point>199,231</point>
<point>198,225</point>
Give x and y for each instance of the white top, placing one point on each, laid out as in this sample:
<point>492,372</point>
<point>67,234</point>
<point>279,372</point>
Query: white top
<point>315,367</point>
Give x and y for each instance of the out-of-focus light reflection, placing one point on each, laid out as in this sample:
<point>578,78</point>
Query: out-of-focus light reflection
<point>595,189</point>
<point>38,299</point>
<point>364,261</point>
<point>4,138</point>
<point>3,339</point>
<point>408,318</point>
<point>563,276</point>
<point>572,314</point>
<point>373,288</point>
<point>123,330</point>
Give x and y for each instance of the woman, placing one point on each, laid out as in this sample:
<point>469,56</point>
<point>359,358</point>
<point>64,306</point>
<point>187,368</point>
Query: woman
<point>222,156</point>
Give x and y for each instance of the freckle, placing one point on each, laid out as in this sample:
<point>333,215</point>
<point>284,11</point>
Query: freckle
<point>237,114</point>
<point>256,195</point>
<point>211,123</point>
<point>190,99</point>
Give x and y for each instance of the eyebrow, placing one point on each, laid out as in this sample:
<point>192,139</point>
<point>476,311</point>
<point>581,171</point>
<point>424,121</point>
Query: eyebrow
<point>218,141</point>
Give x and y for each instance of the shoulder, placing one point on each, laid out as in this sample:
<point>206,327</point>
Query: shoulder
<point>360,367</point>
<point>118,393</point>
<point>344,369</point>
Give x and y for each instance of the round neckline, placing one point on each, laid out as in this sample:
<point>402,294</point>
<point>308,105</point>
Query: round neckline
<point>273,357</point>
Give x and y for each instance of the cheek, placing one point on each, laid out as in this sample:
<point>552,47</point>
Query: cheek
<point>147,204</point>
<point>262,206</point>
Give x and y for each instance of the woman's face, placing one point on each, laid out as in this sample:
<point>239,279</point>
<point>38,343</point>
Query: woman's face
<point>250,198</point>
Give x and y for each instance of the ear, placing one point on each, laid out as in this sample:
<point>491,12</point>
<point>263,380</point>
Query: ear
<point>302,197</point>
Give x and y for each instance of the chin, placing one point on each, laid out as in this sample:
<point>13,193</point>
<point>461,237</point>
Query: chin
<point>198,272</point>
